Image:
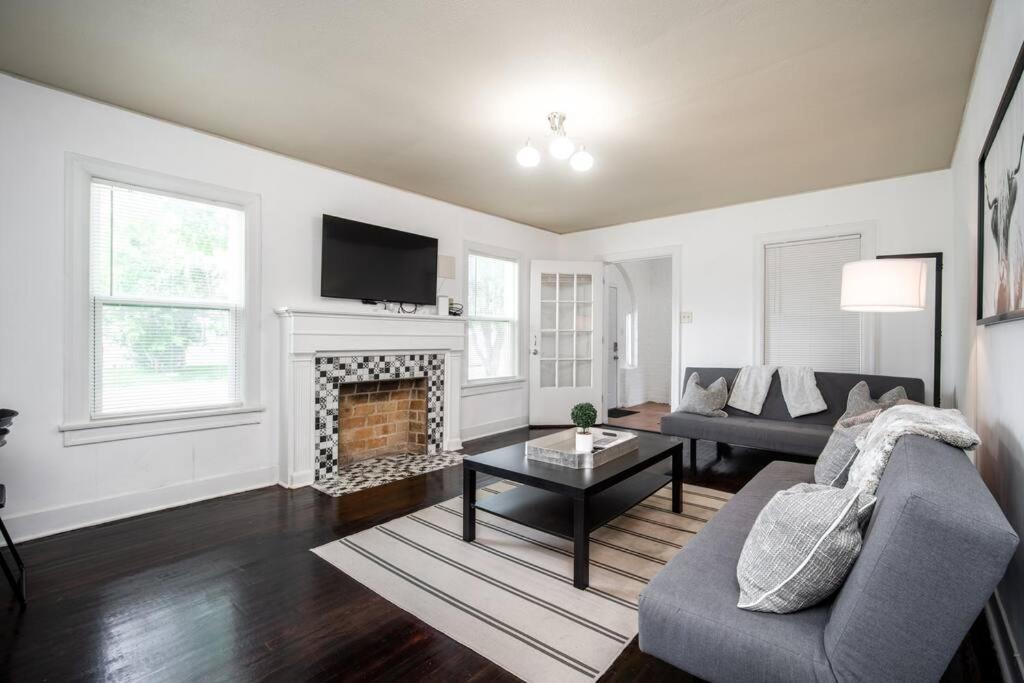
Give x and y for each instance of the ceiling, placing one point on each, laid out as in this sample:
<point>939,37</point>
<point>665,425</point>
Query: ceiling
<point>685,105</point>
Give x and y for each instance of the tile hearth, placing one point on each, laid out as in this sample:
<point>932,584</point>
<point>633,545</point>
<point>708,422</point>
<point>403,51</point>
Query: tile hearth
<point>383,470</point>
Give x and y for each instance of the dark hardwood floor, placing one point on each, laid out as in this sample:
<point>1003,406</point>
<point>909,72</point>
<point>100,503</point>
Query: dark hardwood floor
<point>227,590</point>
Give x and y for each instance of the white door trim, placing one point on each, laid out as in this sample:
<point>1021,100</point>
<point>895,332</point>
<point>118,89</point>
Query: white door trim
<point>675,252</point>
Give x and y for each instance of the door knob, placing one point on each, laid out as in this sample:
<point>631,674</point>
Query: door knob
<point>535,352</point>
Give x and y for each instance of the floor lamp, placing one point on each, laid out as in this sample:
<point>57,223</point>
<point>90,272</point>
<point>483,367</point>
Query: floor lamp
<point>896,283</point>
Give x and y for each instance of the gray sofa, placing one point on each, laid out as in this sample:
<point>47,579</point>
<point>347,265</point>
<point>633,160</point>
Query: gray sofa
<point>774,429</point>
<point>934,550</point>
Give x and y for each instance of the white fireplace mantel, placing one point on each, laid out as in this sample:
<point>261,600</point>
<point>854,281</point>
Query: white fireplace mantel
<point>306,334</point>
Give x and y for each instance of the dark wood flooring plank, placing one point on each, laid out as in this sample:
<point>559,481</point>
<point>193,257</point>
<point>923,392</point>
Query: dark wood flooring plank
<point>227,589</point>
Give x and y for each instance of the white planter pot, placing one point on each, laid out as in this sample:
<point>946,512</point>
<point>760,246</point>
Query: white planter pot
<point>584,442</point>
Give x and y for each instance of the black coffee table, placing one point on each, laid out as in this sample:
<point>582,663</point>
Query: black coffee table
<point>568,502</point>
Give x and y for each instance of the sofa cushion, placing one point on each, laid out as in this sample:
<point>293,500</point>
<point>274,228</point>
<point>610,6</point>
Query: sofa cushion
<point>859,401</point>
<point>709,401</point>
<point>800,548</point>
<point>785,436</point>
<point>688,613</point>
<point>833,466</point>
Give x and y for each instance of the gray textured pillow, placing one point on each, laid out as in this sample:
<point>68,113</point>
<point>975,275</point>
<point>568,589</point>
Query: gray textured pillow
<point>859,400</point>
<point>701,401</point>
<point>865,501</point>
<point>800,548</point>
<point>833,464</point>
<point>862,419</point>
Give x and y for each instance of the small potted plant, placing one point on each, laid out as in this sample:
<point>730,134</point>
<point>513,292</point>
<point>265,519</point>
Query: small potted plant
<point>584,416</point>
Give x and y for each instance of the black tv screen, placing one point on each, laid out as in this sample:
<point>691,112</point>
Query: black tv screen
<point>363,261</point>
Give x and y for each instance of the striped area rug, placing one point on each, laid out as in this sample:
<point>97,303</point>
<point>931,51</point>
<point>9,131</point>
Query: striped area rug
<point>509,594</point>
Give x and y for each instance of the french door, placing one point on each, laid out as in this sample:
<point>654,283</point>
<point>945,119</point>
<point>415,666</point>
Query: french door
<point>566,344</point>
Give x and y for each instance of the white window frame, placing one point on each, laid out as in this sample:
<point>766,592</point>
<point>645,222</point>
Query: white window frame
<point>517,328</point>
<point>80,426</point>
<point>867,231</point>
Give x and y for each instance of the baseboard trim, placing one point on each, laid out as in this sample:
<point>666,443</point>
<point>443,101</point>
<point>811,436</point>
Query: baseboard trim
<point>40,523</point>
<point>495,427</point>
<point>297,480</point>
<point>1009,657</point>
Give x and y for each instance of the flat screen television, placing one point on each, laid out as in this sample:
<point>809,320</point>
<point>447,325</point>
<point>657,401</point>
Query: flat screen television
<point>368,262</point>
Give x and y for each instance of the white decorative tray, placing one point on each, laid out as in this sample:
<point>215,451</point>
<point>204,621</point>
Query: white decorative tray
<point>560,448</point>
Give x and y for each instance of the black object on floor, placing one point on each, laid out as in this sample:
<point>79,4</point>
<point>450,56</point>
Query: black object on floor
<point>17,584</point>
<point>620,412</point>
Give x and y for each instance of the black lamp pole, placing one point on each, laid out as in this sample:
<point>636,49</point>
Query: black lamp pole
<point>937,255</point>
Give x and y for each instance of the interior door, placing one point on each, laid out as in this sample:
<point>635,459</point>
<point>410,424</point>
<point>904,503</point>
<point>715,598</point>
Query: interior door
<point>611,336</point>
<point>566,346</point>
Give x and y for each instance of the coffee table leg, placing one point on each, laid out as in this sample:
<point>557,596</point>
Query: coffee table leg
<point>468,504</point>
<point>581,542</point>
<point>677,479</point>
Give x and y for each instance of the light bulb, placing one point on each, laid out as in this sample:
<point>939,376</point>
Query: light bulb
<point>528,156</point>
<point>561,147</point>
<point>582,160</point>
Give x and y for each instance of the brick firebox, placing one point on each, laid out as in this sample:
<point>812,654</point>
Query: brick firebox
<point>381,417</point>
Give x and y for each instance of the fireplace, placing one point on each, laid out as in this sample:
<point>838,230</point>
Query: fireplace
<point>381,418</point>
<point>338,377</point>
<point>324,351</point>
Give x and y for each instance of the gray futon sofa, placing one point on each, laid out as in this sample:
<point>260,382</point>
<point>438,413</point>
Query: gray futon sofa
<point>774,429</point>
<point>934,550</point>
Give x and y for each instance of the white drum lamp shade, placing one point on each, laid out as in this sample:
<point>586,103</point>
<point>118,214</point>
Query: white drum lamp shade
<point>884,285</point>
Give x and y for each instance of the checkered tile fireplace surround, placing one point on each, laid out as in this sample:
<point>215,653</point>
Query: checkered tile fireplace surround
<point>322,351</point>
<point>334,371</point>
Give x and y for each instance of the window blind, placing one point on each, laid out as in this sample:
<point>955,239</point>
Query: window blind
<point>803,324</point>
<point>166,288</point>
<point>491,317</point>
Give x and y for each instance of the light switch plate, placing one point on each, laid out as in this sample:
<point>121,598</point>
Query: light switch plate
<point>686,317</point>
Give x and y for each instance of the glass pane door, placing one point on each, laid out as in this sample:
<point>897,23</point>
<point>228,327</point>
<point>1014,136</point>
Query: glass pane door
<point>567,330</point>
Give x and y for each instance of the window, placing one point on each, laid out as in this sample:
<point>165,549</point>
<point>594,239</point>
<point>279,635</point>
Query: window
<point>162,304</point>
<point>492,311</point>
<point>166,284</point>
<point>803,324</point>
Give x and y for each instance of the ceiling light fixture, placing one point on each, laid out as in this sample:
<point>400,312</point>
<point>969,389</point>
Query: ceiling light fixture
<point>582,160</point>
<point>561,146</point>
<point>528,156</point>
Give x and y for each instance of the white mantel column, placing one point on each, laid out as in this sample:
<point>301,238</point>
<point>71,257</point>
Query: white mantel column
<point>453,401</point>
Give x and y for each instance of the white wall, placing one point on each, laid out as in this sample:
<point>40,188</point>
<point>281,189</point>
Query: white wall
<point>51,487</point>
<point>910,214</point>
<point>989,359</point>
<point>651,286</point>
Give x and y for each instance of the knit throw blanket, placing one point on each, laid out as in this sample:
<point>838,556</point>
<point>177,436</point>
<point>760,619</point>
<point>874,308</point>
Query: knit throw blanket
<point>877,442</point>
<point>751,387</point>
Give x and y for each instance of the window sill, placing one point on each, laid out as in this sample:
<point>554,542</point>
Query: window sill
<point>490,386</point>
<point>136,427</point>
